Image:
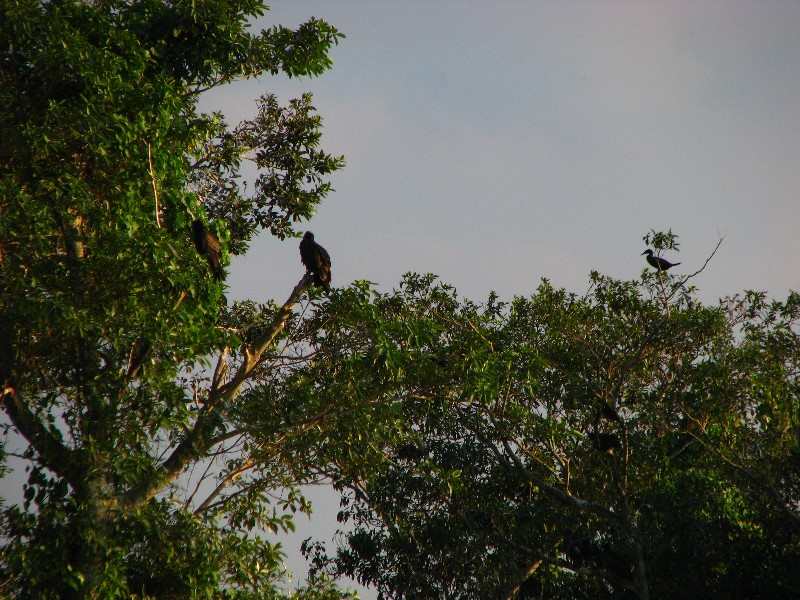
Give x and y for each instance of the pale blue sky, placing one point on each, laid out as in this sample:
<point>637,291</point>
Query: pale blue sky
<point>496,143</point>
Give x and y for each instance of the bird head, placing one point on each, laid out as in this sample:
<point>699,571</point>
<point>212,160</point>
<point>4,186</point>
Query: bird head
<point>648,252</point>
<point>309,236</point>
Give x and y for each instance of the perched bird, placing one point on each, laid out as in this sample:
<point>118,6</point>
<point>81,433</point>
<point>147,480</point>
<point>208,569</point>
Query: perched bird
<point>605,442</point>
<point>207,243</point>
<point>659,263</point>
<point>609,412</point>
<point>316,260</point>
<point>412,452</point>
<point>139,353</point>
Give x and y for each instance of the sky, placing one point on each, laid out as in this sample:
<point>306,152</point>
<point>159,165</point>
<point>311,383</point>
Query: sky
<point>498,143</point>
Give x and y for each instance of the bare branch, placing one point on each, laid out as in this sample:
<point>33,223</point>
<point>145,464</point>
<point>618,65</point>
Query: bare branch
<point>221,370</point>
<point>705,264</point>
<point>229,479</point>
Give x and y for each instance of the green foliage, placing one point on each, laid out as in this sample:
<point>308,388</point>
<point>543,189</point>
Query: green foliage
<point>108,314</point>
<point>631,442</point>
<point>282,142</point>
<point>661,240</point>
<point>489,480</point>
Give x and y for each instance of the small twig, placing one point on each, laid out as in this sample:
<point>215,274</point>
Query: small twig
<point>705,264</point>
<point>181,298</point>
<point>155,186</point>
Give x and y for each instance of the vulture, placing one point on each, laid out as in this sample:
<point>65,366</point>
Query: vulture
<point>412,452</point>
<point>139,353</point>
<point>207,243</point>
<point>605,442</point>
<point>659,263</point>
<point>316,260</point>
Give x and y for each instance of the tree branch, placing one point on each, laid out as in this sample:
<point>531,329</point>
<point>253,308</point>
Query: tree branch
<point>568,566</point>
<point>550,490</point>
<point>199,439</point>
<point>57,457</point>
<point>705,264</point>
<point>518,577</point>
<point>155,185</point>
<point>229,479</point>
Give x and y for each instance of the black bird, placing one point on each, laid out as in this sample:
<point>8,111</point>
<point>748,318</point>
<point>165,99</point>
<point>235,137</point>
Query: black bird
<point>605,442</point>
<point>207,243</point>
<point>412,452</point>
<point>316,260</point>
<point>659,263</point>
<point>608,412</point>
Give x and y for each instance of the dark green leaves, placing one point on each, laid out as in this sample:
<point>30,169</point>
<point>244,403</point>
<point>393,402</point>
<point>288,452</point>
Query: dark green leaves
<point>600,443</point>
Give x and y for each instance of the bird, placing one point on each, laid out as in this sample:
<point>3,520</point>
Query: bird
<point>316,260</point>
<point>659,263</point>
<point>605,442</point>
<point>207,243</point>
<point>139,353</point>
<point>412,452</point>
<point>609,412</point>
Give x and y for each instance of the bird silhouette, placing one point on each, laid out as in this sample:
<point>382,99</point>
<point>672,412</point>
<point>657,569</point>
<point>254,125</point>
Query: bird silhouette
<point>139,353</point>
<point>659,263</point>
<point>207,243</point>
<point>316,260</point>
<point>605,442</point>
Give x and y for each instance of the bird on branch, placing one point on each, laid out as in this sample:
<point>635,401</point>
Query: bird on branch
<point>207,243</point>
<point>659,263</point>
<point>316,260</point>
<point>139,353</point>
<point>605,442</point>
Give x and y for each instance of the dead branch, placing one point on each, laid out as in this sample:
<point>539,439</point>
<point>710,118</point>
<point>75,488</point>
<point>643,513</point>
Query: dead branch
<point>705,264</point>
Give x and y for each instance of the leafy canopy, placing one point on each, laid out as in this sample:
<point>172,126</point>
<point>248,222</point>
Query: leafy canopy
<point>630,442</point>
<point>108,314</point>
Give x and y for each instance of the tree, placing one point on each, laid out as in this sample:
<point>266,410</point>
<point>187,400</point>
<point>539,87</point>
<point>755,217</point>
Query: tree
<point>109,318</point>
<point>631,442</point>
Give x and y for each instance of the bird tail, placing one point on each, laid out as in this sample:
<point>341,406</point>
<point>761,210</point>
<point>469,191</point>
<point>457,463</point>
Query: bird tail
<point>323,282</point>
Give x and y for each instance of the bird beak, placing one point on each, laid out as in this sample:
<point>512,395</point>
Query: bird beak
<point>645,252</point>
